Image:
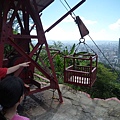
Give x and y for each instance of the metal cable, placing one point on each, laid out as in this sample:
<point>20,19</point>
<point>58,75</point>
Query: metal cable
<point>103,55</point>
<point>67,8</point>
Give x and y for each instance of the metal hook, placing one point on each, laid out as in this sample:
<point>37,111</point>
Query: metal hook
<point>82,40</point>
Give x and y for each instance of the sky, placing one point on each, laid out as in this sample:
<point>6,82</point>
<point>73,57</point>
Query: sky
<point>101,17</point>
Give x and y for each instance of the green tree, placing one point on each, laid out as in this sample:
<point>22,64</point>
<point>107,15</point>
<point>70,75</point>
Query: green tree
<point>106,85</point>
<point>103,86</point>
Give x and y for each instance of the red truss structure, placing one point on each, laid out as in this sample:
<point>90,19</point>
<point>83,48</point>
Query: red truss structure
<point>25,15</point>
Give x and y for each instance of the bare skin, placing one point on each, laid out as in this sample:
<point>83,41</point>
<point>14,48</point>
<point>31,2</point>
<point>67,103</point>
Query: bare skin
<point>16,67</point>
<point>9,113</point>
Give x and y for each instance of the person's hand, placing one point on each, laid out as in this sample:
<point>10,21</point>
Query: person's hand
<point>25,64</point>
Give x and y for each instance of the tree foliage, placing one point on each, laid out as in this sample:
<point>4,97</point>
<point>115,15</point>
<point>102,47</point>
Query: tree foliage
<point>106,85</point>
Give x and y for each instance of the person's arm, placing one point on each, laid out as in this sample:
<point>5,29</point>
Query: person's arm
<point>16,67</point>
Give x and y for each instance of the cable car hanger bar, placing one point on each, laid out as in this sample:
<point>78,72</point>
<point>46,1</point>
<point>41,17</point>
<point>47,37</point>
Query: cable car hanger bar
<point>64,16</point>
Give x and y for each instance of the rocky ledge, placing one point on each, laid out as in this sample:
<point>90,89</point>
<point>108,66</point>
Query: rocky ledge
<point>76,105</point>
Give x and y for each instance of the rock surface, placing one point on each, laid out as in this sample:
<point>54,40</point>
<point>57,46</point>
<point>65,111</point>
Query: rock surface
<point>76,105</point>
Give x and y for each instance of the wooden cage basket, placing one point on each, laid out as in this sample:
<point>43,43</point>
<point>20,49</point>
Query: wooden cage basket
<point>81,70</point>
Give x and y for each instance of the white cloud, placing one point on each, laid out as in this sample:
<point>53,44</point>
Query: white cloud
<point>88,22</point>
<point>100,35</point>
<point>111,33</point>
<point>60,34</point>
<point>115,26</point>
<point>68,19</point>
<point>105,34</point>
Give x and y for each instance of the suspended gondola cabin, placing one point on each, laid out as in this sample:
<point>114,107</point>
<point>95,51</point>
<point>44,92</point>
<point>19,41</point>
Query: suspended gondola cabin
<point>81,67</point>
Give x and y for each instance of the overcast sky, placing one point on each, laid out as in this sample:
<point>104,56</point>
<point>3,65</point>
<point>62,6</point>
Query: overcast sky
<point>101,17</point>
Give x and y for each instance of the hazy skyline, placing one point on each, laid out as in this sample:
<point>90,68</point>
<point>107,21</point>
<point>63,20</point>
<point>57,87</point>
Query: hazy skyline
<point>100,17</point>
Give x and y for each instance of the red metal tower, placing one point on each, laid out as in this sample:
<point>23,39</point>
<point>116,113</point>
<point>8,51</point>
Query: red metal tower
<point>25,14</point>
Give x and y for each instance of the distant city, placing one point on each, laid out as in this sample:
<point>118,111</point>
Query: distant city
<point>108,51</point>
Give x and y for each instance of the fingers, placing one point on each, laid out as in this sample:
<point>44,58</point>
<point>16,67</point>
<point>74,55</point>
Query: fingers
<point>25,64</point>
<point>28,62</point>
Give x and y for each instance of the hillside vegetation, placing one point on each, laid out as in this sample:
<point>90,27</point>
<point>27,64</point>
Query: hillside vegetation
<point>107,84</point>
